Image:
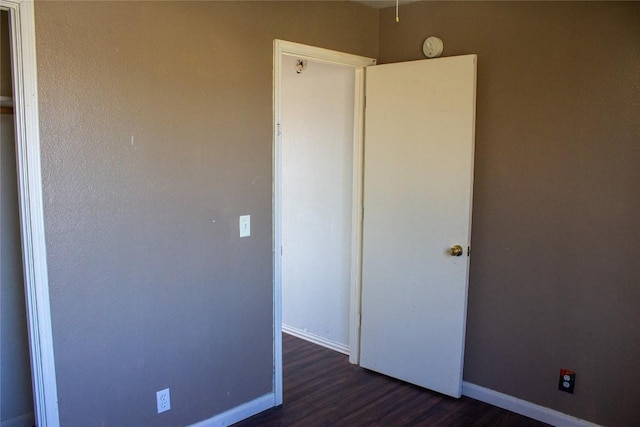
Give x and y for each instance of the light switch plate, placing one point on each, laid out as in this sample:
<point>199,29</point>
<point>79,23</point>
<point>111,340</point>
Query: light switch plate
<point>245,225</point>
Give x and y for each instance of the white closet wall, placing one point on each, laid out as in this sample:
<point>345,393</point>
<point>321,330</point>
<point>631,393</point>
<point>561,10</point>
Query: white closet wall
<point>317,144</point>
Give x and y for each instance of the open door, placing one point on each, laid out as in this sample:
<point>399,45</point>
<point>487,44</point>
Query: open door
<point>418,176</point>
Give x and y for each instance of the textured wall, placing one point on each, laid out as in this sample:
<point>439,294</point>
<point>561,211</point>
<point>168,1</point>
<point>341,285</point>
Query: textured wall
<point>555,280</point>
<point>156,125</point>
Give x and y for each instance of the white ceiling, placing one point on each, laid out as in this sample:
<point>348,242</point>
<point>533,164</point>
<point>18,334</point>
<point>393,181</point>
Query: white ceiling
<point>380,4</point>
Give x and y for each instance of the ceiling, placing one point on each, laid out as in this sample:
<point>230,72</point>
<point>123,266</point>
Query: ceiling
<point>380,4</point>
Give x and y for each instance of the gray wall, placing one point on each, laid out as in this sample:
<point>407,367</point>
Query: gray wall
<point>156,121</point>
<point>555,277</point>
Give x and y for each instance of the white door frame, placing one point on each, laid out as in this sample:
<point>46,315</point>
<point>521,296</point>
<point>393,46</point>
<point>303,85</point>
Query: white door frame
<point>281,48</point>
<point>25,104</point>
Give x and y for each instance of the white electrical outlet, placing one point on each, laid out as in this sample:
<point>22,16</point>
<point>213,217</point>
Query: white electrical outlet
<point>245,225</point>
<point>163,399</point>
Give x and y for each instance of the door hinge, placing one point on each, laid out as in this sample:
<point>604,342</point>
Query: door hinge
<point>279,129</point>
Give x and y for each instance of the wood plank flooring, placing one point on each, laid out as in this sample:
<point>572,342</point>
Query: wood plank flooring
<point>321,388</point>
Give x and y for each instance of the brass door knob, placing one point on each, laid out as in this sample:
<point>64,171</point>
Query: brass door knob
<point>456,250</point>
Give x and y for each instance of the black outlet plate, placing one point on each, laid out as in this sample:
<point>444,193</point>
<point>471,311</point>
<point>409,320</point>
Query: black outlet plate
<point>567,380</point>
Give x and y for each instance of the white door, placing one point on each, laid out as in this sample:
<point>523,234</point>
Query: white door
<point>420,121</point>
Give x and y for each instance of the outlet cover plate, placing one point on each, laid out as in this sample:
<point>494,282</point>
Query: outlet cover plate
<point>163,399</point>
<point>567,380</point>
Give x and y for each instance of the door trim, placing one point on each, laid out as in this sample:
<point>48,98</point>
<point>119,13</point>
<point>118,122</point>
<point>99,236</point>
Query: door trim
<point>281,48</point>
<point>36,281</point>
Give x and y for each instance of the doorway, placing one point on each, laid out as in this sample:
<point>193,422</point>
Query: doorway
<point>17,396</point>
<point>283,49</point>
<point>317,101</point>
<point>21,25</point>
<point>415,217</point>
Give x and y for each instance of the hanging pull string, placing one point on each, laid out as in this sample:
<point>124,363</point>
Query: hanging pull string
<point>397,17</point>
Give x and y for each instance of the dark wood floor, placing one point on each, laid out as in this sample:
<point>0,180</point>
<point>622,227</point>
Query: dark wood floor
<point>321,388</point>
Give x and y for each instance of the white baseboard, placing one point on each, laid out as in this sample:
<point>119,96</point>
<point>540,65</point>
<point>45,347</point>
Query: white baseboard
<point>316,339</point>
<point>26,420</point>
<point>522,407</point>
<point>239,413</point>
